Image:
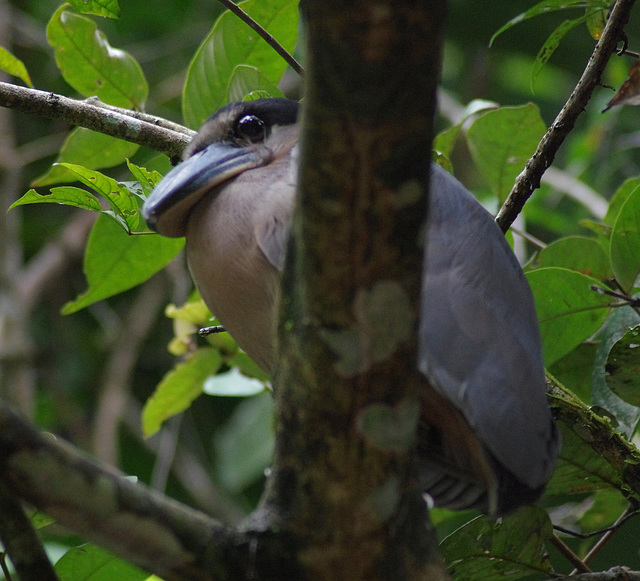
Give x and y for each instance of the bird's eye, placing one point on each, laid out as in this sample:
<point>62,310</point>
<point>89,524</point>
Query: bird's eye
<point>251,128</point>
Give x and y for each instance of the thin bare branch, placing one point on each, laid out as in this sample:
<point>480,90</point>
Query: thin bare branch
<point>568,554</point>
<point>272,42</point>
<point>530,177</point>
<point>608,535</point>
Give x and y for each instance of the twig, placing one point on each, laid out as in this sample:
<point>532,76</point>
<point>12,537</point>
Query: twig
<point>568,554</point>
<point>204,331</point>
<point>609,534</point>
<point>117,123</point>
<point>613,574</point>
<point>272,42</point>
<point>628,514</point>
<point>529,179</point>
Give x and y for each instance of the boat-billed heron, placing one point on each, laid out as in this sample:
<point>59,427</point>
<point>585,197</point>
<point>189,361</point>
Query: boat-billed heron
<point>486,436</point>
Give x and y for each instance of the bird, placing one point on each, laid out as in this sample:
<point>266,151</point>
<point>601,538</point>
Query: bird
<point>486,436</point>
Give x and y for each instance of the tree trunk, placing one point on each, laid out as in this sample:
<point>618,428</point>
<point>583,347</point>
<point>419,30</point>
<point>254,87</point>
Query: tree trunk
<point>347,386</point>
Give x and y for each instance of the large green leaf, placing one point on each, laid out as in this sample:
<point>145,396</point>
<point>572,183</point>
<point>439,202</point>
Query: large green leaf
<point>501,141</point>
<point>623,367</point>
<point>617,323</point>
<point>619,198</point>
<point>90,149</point>
<point>569,311</point>
<point>179,388</point>
<point>115,262</point>
<point>579,253</point>
<point>91,563</point>
<point>230,43</point>
<point>507,549</point>
<point>625,242</point>
<point>580,468</point>
<point>595,454</point>
<point>91,65</point>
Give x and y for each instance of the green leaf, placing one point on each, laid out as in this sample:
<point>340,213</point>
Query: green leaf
<point>123,204</point>
<point>231,43</point>
<point>551,44</point>
<point>596,18</point>
<point>233,384</point>
<point>615,326</point>
<point>105,8</point>
<point>14,66</point>
<point>89,149</point>
<point>623,367</point>
<point>578,253</point>
<point>568,310</point>
<point>625,242</point>
<point>93,67</point>
<point>147,179</point>
<point>510,548</point>
<point>576,369</point>
<point>544,7</point>
<point>248,80</point>
<point>247,366</point>
<point>607,506</point>
<point>501,141</point>
<point>91,563</point>
<point>580,469</point>
<point>179,388</point>
<point>595,455</point>
<point>66,195</point>
<point>445,140</point>
<point>115,262</point>
<point>619,198</point>
<point>244,444</point>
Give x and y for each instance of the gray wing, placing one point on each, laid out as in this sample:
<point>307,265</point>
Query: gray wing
<point>480,345</point>
<point>273,220</point>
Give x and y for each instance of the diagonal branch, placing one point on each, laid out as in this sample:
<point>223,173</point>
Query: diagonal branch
<point>268,38</point>
<point>166,538</point>
<point>529,179</point>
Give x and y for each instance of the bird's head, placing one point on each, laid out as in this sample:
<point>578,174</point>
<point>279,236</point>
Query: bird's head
<point>239,137</point>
